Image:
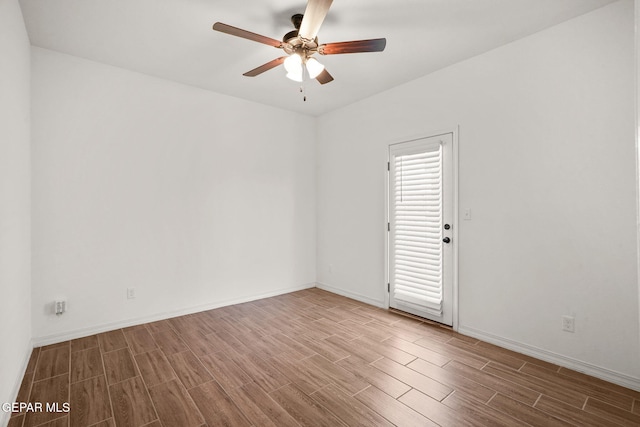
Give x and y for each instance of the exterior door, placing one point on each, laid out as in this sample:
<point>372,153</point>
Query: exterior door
<point>420,227</point>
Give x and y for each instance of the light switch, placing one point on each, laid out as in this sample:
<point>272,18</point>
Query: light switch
<point>466,215</point>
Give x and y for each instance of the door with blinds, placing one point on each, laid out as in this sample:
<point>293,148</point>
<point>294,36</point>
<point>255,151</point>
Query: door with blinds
<point>420,227</point>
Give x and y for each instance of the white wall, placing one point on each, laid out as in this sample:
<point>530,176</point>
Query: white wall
<point>547,166</point>
<point>637,25</point>
<point>15,248</point>
<point>193,198</point>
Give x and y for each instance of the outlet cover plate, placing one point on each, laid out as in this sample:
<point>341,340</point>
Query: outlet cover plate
<point>568,323</point>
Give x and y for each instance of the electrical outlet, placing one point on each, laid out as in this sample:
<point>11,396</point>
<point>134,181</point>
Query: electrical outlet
<point>568,324</point>
<point>131,293</point>
<point>60,306</point>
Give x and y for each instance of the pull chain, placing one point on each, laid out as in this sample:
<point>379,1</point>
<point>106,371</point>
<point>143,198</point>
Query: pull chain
<point>303,89</point>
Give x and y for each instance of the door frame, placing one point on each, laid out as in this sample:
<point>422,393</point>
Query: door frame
<point>387,217</point>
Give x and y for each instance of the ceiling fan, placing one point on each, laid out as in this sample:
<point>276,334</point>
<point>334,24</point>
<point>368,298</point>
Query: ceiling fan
<point>302,43</point>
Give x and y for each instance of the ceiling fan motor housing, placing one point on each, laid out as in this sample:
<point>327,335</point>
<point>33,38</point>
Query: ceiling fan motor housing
<point>293,43</point>
<point>290,37</point>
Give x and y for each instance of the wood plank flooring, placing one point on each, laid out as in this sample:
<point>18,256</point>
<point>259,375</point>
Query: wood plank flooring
<point>308,358</point>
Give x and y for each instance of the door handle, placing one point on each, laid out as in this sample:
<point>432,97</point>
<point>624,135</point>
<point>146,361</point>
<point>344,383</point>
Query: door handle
<point>446,240</point>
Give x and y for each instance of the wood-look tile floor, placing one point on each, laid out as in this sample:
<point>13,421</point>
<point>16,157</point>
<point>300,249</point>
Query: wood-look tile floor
<point>308,358</point>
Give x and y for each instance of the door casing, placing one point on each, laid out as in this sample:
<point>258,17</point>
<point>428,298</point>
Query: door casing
<point>455,225</point>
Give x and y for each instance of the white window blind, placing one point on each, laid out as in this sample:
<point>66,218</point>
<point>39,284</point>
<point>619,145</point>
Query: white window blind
<point>417,236</point>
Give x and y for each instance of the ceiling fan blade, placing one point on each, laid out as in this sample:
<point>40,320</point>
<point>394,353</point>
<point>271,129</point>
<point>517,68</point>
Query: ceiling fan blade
<point>228,29</point>
<point>324,77</point>
<point>314,15</point>
<point>357,46</point>
<point>265,67</point>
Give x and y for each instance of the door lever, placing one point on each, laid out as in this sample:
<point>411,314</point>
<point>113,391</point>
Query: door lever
<point>446,240</point>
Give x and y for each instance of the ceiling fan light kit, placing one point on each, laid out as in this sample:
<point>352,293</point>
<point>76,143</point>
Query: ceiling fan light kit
<point>314,67</point>
<point>302,43</point>
<point>293,65</point>
<point>295,70</point>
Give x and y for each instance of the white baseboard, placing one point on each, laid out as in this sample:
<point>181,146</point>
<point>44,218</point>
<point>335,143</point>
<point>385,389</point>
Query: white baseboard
<point>558,359</point>
<point>548,356</point>
<point>84,332</point>
<point>351,295</point>
<point>4,416</point>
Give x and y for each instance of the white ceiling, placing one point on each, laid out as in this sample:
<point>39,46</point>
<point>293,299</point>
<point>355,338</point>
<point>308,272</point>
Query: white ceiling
<point>173,39</point>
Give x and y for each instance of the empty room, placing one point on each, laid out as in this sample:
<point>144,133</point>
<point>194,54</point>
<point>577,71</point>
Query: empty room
<point>319,213</point>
